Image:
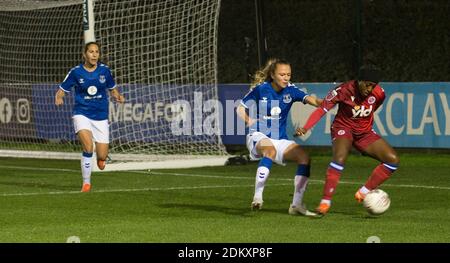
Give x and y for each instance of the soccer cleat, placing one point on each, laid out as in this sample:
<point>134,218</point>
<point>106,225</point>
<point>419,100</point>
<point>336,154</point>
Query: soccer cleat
<point>101,164</point>
<point>322,209</point>
<point>301,210</point>
<point>257,204</point>
<point>86,188</point>
<point>359,196</point>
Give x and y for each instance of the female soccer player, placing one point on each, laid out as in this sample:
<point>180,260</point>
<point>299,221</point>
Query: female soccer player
<point>357,100</point>
<point>91,80</point>
<point>265,110</point>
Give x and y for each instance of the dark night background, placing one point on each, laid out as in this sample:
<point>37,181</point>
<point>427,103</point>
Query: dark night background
<point>325,40</point>
<point>408,39</point>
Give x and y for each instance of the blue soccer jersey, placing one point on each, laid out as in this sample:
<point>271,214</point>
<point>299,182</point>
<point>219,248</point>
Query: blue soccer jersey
<point>271,108</point>
<point>91,98</point>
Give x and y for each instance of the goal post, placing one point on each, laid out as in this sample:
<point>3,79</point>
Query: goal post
<point>163,56</point>
<point>88,21</point>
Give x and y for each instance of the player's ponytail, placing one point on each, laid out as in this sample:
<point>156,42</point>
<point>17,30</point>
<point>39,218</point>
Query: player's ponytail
<point>265,73</point>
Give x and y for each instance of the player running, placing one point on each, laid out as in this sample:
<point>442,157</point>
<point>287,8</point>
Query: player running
<point>352,126</point>
<point>91,81</point>
<point>265,110</point>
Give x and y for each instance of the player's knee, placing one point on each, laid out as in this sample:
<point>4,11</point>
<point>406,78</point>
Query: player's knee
<point>393,159</point>
<point>339,160</point>
<point>270,152</point>
<point>88,148</point>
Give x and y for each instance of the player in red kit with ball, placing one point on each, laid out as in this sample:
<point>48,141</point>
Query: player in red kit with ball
<point>352,126</point>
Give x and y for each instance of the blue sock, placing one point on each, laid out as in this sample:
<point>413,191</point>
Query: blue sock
<point>266,162</point>
<point>303,170</point>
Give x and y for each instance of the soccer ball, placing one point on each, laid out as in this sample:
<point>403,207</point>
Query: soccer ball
<point>377,202</point>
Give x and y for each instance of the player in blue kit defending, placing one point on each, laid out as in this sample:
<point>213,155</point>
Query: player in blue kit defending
<point>265,110</point>
<point>91,81</point>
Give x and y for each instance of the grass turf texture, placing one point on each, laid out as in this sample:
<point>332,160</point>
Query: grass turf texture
<point>41,202</point>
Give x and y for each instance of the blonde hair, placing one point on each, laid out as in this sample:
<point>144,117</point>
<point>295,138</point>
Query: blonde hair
<point>265,73</point>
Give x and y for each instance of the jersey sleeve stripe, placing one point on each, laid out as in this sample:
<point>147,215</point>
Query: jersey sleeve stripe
<point>243,104</point>
<point>304,99</point>
<point>64,89</point>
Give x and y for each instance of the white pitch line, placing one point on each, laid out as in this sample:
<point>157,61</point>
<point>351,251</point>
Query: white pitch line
<point>287,179</point>
<point>188,188</point>
<point>38,168</point>
<point>136,190</point>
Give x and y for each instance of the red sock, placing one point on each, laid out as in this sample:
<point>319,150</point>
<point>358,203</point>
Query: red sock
<point>331,182</point>
<point>379,175</point>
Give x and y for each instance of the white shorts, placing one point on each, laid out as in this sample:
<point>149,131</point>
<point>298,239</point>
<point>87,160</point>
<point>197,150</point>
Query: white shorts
<point>280,146</point>
<point>99,129</point>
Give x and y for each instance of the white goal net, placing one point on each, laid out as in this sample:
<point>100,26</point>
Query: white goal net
<point>162,53</point>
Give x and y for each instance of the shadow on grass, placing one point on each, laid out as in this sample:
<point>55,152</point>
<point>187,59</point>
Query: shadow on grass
<point>355,214</point>
<point>243,211</point>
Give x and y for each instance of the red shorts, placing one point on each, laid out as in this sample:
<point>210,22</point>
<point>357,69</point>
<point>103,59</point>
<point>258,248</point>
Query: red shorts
<point>360,141</point>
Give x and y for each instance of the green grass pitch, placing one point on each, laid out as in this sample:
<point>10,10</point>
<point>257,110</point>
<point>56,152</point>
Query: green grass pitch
<point>41,202</point>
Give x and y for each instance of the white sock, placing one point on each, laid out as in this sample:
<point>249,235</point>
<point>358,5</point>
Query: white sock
<point>364,190</point>
<point>86,169</point>
<point>300,183</point>
<point>261,177</point>
<point>325,201</point>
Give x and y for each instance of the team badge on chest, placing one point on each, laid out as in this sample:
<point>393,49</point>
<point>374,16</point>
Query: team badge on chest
<point>102,79</point>
<point>287,98</point>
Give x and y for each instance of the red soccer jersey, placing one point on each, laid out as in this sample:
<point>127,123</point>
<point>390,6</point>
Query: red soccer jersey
<point>355,112</point>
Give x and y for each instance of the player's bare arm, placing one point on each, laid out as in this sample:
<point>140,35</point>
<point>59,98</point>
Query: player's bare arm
<point>241,113</point>
<point>59,97</point>
<point>117,96</point>
<point>312,120</point>
<point>300,132</point>
<point>314,101</point>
